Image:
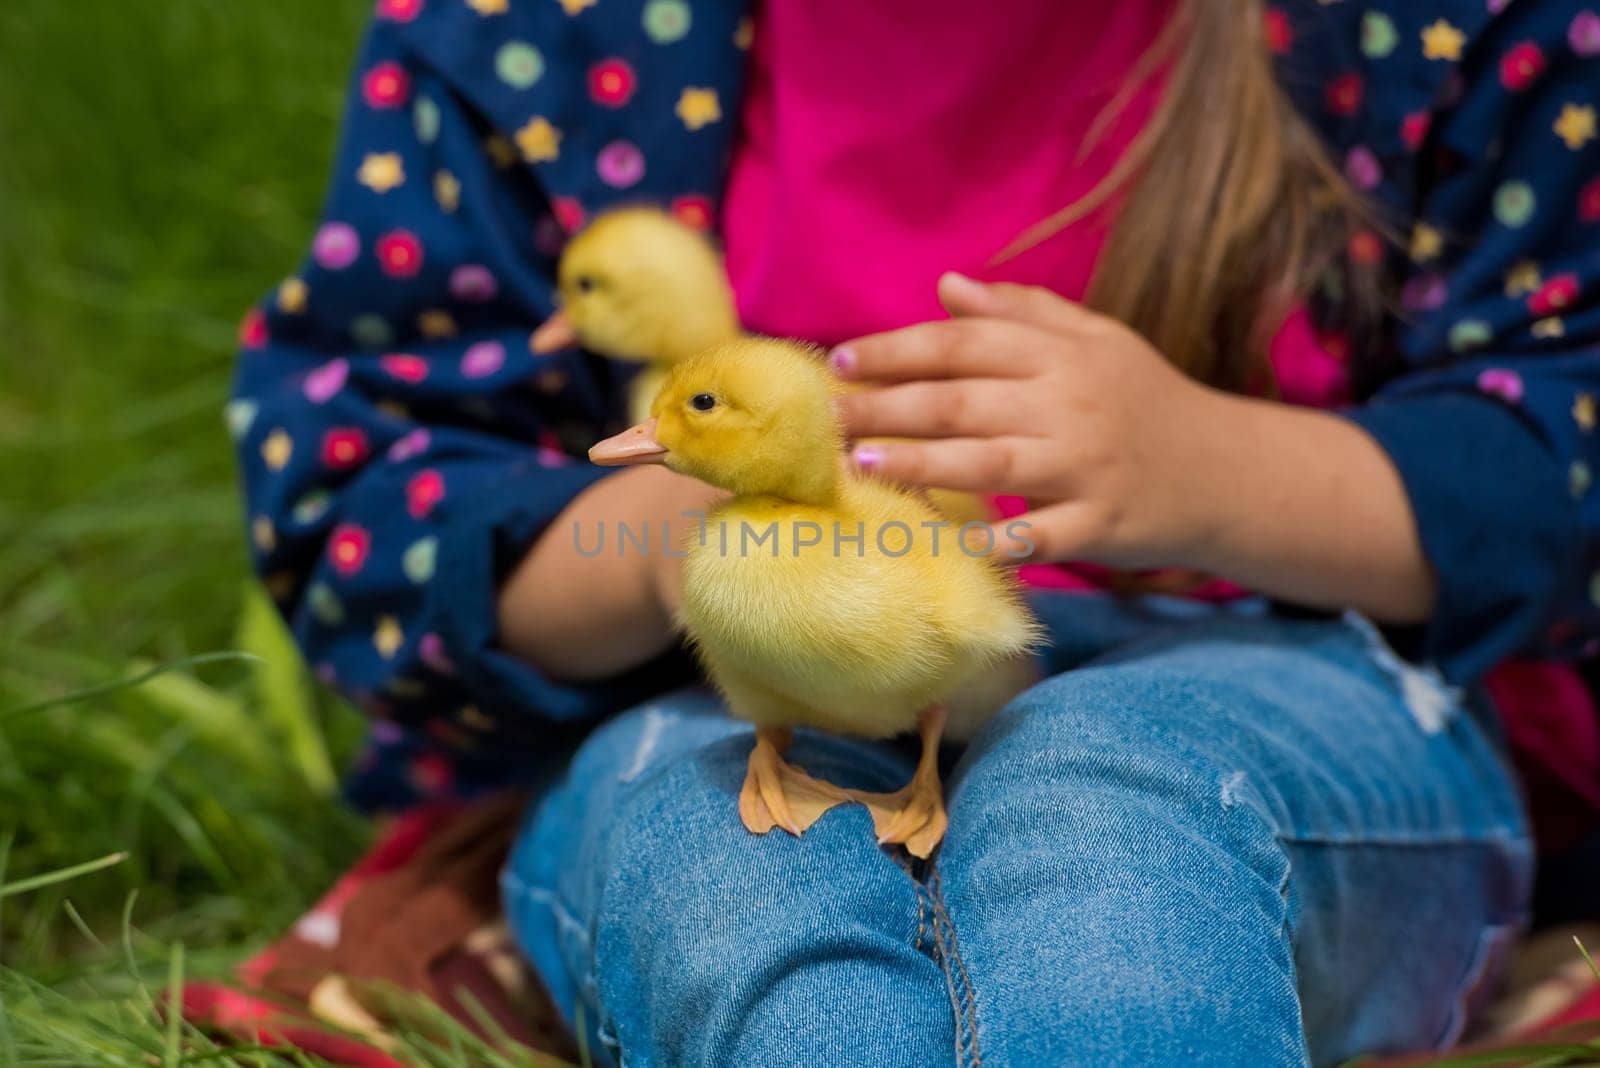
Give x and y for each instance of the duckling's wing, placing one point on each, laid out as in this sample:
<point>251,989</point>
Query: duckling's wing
<point>975,601</point>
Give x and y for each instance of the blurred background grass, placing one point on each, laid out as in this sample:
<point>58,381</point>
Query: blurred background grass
<point>161,166</point>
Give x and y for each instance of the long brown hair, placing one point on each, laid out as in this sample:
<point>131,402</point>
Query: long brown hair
<point>1231,209</point>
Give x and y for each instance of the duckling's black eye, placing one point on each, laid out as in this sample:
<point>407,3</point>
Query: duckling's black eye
<point>585,283</point>
<point>702,402</point>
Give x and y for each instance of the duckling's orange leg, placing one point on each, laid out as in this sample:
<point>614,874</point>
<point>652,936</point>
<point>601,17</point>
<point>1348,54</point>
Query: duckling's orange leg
<point>778,794</point>
<point>914,815</point>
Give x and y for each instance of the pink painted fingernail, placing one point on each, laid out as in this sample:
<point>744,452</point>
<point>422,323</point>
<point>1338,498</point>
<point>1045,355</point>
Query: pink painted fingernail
<point>867,457</point>
<point>843,361</point>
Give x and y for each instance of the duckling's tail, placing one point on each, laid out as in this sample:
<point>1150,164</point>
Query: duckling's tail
<point>1006,665</point>
<point>985,692</point>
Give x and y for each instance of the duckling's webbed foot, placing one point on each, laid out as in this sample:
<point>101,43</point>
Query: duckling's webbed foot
<point>778,794</point>
<point>914,815</point>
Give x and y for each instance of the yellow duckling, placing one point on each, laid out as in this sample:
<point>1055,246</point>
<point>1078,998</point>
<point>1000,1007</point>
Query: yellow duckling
<point>639,285</point>
<point>818,596</point>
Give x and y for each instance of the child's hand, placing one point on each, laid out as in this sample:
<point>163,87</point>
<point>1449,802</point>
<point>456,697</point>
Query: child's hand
<point>1126,462</point>
<point>1026,393</point>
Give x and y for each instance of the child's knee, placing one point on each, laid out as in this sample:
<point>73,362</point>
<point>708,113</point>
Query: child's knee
<point>678,828</point>
<point>643,740</point>
<point>1135,707</point>
<point>681,808</point>
<point>1115,754</point>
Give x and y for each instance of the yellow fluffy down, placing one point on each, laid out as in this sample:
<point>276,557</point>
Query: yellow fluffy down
<point>796,621</point>
<point>638,285</point>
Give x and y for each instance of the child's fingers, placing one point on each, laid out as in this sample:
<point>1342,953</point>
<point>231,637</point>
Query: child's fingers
<point>967,408</point>
<point>1007,465</point>
<point>1064,531</point>
<point>958,348</point>
<point>1034,305</point>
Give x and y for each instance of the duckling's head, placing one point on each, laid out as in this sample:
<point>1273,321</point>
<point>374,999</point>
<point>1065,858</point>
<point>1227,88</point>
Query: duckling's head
<point>753,416</point>
<point>637,284</point>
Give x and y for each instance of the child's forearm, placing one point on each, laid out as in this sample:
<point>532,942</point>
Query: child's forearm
<point>579,616</point>
<point>1308,508</point>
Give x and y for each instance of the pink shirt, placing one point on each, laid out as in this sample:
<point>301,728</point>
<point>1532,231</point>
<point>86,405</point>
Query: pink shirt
<point>863,172</point>
<point>858,178</point>
<point>884,144</point>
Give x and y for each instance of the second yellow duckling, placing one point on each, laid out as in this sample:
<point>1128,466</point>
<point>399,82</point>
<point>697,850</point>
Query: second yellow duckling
<point>639,285</point>
<point>818,596</point>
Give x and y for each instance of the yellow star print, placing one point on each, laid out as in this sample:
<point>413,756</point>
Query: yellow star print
<point>292,295</point>
<point>489,7</point>
<point>1426,243</point>
<point>1550,327</point>
<point>1585,412</point>
<point>447,191</point>
<point>381,171</point>
<point>435,323</point>
<point>1576,126</point>
<point>277,449</point>
<point>572,7</point>
<point>1522,279</point>
<point>540,142</point>
<point>387,637</point>
<point>1442,41</point>
<point>699,107</point>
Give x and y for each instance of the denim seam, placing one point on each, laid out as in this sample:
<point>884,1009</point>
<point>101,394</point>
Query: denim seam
<point>941,954</point>
<point>1285,888</point>
<point>922,918</point>
<point>1291,935</point>
<point>958,1000</point>
<point>589,985</point>
<point>904,865</point>
<point>968,997</point>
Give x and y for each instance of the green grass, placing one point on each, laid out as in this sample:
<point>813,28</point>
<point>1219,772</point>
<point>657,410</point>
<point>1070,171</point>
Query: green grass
<point>167,769</point>
<point>163,165</point>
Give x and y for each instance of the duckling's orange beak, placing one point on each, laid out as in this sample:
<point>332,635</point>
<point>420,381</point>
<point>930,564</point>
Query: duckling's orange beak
<point>554,333</point>
<point>635,445</point>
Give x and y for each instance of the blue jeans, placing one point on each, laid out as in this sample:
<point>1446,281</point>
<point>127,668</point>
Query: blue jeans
<point>1209,838</point>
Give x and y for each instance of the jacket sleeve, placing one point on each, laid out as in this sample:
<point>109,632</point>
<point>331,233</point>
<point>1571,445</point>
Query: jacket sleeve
<point>400,446</point>
<point>1492,422</point>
